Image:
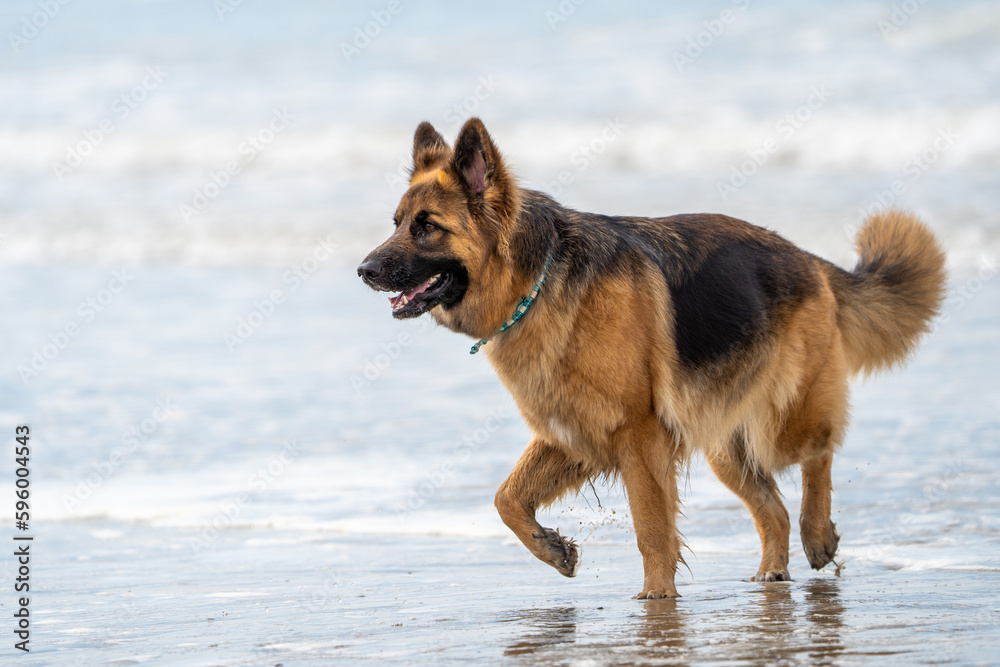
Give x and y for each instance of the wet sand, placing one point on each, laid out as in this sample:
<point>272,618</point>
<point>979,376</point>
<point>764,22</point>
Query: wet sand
<point>277,598</point>
<point>327,561</point>
<point>370,537</point>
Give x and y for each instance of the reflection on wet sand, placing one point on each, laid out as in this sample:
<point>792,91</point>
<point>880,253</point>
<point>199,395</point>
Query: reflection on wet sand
<point>797,623</point>
<point>551,636</point>
<point>547,629</point>
<point>662,625</point>
<point>770,627</point>
<point>782,629</point>
<point>661,634</point>
<point>825,611</point>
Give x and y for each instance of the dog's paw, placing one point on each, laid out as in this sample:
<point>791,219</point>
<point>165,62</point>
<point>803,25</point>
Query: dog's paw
<point>772,575</point>
<point>821,546</point>
<point>657,594</point>
<point>562,552</point>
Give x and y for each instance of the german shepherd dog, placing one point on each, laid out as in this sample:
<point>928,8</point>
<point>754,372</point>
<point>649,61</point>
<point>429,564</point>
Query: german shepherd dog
<point>630,343</point>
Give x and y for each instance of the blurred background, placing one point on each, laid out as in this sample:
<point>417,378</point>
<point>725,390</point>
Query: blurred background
<point>187,186</point>
<point>693,94</point>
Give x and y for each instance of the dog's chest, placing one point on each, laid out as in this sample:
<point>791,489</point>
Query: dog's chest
<point>566,414</point>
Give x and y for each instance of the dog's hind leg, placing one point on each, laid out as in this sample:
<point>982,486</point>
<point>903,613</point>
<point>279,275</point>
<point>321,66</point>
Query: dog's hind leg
<point>542,475</point>
<point>759,492</point>
<point>812,433</point>
<point>819,533</point>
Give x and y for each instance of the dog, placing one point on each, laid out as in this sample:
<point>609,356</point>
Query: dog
<point>630,343</point>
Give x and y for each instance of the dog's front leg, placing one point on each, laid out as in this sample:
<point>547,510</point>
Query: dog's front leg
<point>542,475</point>
<point>649,471</point>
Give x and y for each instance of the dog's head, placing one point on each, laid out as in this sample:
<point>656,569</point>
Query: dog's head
<point>452,223</point>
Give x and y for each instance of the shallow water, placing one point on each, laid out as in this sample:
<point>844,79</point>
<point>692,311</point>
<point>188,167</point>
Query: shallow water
<point>240,458</point>
<point>359,541</point>
<point>290,599</point>
<point>678,130</point>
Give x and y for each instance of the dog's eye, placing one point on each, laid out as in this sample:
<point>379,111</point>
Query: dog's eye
<point>423,227</point>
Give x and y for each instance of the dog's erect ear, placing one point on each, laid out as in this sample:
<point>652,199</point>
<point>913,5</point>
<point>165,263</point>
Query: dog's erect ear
<point>491,191</point>
<point>481,168</point>
<point>429,147</point>
<point>474,153</point>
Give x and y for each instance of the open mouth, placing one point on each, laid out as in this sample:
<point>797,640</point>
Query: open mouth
<point>421,298</point>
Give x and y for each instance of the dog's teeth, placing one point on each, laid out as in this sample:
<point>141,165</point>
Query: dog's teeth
<point>404,301</point>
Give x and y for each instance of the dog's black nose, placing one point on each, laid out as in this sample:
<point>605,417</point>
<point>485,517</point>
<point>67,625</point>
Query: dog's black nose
<point>370,270</point>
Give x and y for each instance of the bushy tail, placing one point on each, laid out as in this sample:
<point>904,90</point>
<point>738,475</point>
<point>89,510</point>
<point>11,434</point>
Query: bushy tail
<point>887,302</point>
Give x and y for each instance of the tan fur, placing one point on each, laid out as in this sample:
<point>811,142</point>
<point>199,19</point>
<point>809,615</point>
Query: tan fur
<point>882,317</point>
<point>596,372</point>
<point>605,391</point>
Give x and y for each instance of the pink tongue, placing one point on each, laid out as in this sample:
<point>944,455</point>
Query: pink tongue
<point>394,300</point>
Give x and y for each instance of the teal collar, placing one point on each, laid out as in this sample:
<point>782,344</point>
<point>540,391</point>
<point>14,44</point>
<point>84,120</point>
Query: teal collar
<point>522,307</point>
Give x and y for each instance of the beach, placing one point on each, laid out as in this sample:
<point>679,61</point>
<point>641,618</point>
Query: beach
<point>239,458</point>
<point>283,513</point>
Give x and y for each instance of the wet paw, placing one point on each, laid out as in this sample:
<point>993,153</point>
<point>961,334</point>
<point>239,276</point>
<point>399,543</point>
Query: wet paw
<point>772,575</point>
<point>561,552</point>
<point>657,594</point>
<point>821,547</point>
